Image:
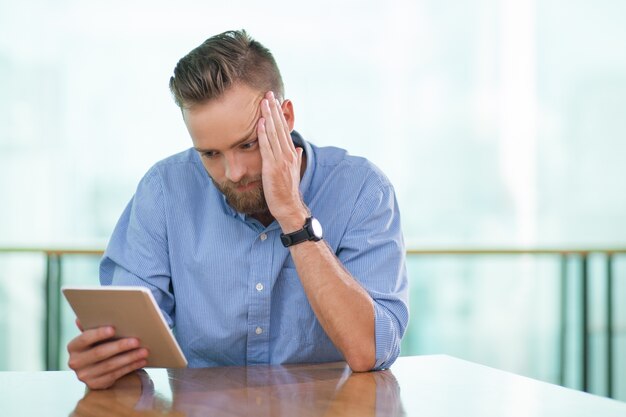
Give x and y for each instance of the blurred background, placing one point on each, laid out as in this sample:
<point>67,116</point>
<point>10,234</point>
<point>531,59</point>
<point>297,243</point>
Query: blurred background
<point>500,123</point>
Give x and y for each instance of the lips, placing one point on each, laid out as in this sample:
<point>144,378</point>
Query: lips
<point>247,187</point>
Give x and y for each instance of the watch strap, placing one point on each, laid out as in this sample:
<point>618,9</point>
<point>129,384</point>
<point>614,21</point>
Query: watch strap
<point>303,235</point>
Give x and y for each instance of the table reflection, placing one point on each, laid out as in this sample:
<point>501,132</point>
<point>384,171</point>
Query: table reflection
<point>132,395</point>
<point>264,391</point>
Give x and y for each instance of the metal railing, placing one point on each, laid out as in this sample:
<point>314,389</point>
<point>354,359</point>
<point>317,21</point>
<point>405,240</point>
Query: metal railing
<point>54,281</point>
<point>584,322</point>
<point>52,287</point>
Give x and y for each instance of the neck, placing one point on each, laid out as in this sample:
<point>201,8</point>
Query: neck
<point>264,218</point>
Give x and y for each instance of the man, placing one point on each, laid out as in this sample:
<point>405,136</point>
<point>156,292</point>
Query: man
<point>227,235</point>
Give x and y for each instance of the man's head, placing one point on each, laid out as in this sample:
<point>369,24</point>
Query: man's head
<point>219,87</point>
<point>221,61</point>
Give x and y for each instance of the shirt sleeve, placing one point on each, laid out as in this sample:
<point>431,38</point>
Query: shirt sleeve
<point>138,253</point>
<point>372,249</point>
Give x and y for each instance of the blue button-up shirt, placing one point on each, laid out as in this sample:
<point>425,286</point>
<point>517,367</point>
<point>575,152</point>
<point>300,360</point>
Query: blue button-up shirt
<point>226,284</point>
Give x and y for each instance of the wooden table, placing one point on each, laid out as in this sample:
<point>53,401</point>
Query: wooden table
<point>421,386</point>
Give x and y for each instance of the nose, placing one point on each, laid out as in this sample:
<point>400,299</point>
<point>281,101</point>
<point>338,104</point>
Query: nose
<point>235,168</point>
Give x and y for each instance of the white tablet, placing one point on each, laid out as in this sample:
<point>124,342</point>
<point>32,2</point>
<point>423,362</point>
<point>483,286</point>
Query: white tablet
<point>133,312</point>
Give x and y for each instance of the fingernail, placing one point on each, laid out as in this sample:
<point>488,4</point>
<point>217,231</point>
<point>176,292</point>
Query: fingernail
<point>271,94</point>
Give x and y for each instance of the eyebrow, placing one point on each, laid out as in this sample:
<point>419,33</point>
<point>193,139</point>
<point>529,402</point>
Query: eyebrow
<point>234,145</point>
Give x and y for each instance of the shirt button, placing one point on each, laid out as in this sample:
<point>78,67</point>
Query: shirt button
<point>258,330</point>
<point>259,287</point>
<point>263,236</point>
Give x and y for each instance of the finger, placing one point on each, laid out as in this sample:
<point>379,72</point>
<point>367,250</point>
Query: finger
<point>89,337</point>
<point>107,380</point>
<point>112,364</point>
<point>83,359</point>
<point>286,127</point>
<point>299,151</point>
<point>270,128</point>
<point>110,349</point>
<point>276,111</point>
<point>282,130</point>
<point>80,327</point>
<point>264,145</point>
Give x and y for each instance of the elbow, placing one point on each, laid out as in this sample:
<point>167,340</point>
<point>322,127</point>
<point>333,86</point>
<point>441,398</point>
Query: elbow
<point>361,361</point>
<point>360,365</point>
<point>361,353</point>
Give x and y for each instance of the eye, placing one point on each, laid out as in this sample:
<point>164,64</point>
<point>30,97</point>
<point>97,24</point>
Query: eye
<point>249,145</point>
<point>209,154</point>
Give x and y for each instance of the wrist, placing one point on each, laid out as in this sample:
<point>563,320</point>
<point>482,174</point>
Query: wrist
<point>294,221</point>
<point>310,231</point>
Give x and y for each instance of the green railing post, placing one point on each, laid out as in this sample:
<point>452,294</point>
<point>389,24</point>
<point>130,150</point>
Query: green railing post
<point>609,325</point>
<point>563,319</point>
<point>53,311</point>
<point>584,321</point>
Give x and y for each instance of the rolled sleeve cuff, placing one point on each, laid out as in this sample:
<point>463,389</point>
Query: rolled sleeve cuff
<point>387,338</point>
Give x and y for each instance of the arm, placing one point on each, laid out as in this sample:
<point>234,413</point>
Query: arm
<point>344,309</point>
<point>357,318</point>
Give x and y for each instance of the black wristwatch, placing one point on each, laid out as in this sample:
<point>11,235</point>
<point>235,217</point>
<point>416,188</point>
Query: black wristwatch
<point>312,230</point>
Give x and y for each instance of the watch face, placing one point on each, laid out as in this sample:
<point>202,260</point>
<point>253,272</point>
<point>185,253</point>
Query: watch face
<point>317,227</point>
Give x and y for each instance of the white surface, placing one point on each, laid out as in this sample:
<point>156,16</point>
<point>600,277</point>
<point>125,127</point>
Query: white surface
<point>441,385</point>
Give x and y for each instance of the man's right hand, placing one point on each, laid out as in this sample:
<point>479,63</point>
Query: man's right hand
<point>99,361</point>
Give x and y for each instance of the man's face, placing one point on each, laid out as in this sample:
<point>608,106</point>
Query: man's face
<point>224,132</point>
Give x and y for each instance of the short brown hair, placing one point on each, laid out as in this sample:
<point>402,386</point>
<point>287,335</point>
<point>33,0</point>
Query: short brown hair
<point>221,61</point>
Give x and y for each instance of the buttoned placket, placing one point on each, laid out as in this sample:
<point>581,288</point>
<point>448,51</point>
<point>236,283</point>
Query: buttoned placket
<point>261,273</point>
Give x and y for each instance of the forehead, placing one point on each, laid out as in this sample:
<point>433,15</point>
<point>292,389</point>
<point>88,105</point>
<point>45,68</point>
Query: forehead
<point>225,120</point>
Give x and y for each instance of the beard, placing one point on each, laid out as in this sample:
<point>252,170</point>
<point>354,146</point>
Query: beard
<point>247,202</point>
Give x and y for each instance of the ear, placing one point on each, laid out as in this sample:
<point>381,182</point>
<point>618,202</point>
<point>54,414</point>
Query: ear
<point>287,108</point>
